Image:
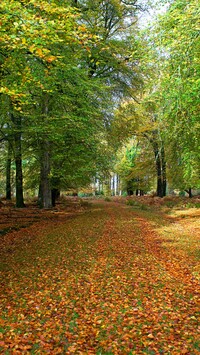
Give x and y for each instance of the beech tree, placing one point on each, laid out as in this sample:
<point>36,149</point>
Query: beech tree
<point>65,68</point>
<point>40,56</point>
<point>135,167</point>
<point>167,110</point>
<point>176,37</point>
<point>140,120</point>
<point>29,30</point>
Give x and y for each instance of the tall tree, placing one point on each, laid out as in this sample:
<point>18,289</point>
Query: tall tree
<point>168,111</point>
<point>176,37</point>
<point>140,120</point>
<point>8,171</point>
<point>17,129</point>
<point>61,66</point>
<point>41,43</point>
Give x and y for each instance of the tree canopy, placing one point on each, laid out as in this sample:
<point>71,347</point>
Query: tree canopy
<point>167,111</point>
<point>78,78</point>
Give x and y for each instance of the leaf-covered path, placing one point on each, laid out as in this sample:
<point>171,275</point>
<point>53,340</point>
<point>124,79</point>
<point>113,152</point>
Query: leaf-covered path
<point>102,282</point>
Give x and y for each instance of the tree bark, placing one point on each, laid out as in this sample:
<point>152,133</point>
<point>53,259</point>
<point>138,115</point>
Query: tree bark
<point>164,178</point>
<point>45,187</point>
<point>158,170</point>
<point>45,197</point>
<point>130,191</point>
<point>118,185</point>
<point>189,191</point>
<point>8,173</point>
<point>18,161</point>
<point>55,193</point>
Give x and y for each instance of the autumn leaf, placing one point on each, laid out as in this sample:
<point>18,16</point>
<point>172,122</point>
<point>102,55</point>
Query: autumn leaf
<point>103,282</point>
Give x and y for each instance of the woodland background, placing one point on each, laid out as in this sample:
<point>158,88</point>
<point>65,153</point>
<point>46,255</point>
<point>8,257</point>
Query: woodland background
<point>88,90</point>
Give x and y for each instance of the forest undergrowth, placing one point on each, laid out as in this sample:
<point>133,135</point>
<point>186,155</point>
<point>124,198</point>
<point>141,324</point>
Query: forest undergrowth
<point>105,279</point>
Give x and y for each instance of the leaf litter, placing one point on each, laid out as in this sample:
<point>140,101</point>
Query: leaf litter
<point>102,282</point>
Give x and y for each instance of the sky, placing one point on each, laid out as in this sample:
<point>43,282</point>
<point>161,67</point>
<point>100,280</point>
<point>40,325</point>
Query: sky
<point>147,17</point>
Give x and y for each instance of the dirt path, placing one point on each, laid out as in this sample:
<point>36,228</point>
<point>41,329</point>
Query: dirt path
<point>101,283</point>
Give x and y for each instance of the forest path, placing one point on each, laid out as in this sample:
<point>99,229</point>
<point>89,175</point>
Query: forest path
<point>102,282</point>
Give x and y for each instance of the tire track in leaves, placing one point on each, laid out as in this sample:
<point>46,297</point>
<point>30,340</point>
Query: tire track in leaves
<point>103,284</point>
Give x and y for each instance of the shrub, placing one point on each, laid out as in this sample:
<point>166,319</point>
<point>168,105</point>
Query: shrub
<point>131,203</point>
<point>107,199</point>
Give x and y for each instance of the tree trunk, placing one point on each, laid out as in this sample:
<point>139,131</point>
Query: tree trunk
<point>118,185</point>
<point>8,173</point>
<point>160,163</point>
<point>159,171</point>
<point>189,191</point>
<point>45,188</point>
<point>130,191</point>
<point>45,168</point>
<point>19,183</point>
<point>164,178</point>
<point>18,161</point>
<point>55,193</point>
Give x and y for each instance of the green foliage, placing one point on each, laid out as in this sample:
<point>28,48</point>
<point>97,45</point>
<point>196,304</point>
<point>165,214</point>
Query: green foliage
<point>165,114</point>
<point>60,67</point>
<point>107,199</point>
<point>65,69</point>
<point>135,165</point>
<point>193,205</point>
<point>137,204</point>
<point>177,37</point>
<point>132,203</point>
<point>31,37</point>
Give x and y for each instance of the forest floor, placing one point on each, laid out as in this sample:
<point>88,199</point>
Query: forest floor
<point>101,278</point>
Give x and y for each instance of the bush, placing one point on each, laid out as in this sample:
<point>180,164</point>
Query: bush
<point>144,207</point>
<point>193,205</point>
<point>132,203</point>
<point>170,203</point>
<point>107,199</point>
<point>84,203</point>
<point>99,193</point>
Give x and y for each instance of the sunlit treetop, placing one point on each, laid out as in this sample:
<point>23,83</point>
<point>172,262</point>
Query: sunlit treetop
<point>36,34</point>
